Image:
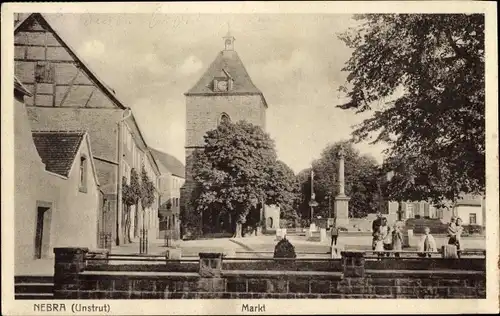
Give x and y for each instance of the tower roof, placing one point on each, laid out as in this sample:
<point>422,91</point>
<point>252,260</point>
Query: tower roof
<point>229,62</point>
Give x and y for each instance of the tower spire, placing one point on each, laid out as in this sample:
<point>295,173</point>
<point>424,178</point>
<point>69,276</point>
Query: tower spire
<point>228,39</point>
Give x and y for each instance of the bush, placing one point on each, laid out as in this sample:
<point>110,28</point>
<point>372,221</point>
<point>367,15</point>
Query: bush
<point>284,249</point>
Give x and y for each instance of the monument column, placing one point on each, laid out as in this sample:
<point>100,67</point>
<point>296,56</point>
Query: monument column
<point>341,200</point>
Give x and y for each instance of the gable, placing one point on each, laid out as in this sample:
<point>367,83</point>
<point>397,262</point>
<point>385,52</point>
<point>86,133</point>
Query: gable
<point>53,72</point>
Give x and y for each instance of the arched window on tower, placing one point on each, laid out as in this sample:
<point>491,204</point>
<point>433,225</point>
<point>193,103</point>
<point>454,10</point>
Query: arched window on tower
<point>224,119</point>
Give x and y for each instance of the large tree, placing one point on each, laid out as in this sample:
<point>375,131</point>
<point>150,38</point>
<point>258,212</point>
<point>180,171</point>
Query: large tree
<point>422,76</point>
<point>236,171</point>
<point>361,175</point>
<point>283,190</point>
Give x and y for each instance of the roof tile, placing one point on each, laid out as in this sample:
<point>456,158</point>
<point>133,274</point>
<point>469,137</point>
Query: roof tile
<point>169,162</point>
<point>58,149</point>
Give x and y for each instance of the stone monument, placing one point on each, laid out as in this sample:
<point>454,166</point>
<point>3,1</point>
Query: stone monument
<point>341,200</point>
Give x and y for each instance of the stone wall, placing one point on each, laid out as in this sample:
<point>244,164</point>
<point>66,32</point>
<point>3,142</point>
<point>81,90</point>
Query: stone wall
<point>215,277</point>
<point>203,113</point>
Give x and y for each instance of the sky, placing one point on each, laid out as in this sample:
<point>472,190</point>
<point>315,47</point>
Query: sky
<point>151,60</point>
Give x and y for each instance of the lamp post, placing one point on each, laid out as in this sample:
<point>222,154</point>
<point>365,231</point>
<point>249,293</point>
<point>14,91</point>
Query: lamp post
<point>329,205</point>
<point>312,202</point>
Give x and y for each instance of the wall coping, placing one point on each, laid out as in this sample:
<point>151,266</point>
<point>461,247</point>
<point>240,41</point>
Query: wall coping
<point>279,273</point>
<point>210,255</point>
<point>427,273</point>
<point>141,273</point>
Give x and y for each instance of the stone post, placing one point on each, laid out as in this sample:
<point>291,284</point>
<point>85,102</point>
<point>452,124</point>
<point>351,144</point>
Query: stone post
<point>353,263</point>
<point>173,254</point>
<point>335,251</point>
<point>322,235</point>
<point>211,273</point>
<point>411,241</point>
<point>449,252</point>
<point>69,262</point>
<point>210,264</point>
<point>341,200</point>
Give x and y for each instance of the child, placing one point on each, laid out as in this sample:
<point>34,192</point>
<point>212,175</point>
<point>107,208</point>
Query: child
<point>334,232</point>
<point>397,239</point>
<point>388,241</point>
<point>452,227</point>
<point>379,238</point>
<point>455,232</point>
<point>427,244</point>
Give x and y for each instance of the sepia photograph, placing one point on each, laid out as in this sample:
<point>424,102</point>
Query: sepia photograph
<point>250,157</point>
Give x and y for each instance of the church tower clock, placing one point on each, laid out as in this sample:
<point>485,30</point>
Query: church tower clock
<point>224,92</point>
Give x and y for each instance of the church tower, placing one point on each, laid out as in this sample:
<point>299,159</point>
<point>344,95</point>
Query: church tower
<point>224,92</point>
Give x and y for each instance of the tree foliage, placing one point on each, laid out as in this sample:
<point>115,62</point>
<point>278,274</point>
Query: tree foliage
<point>283,190</point>
<point>423,77</point>
<point>236,171</point>
<point>131,195</point>
<point>140,191</point>
<point>362,177</point>
<point>147,189</point>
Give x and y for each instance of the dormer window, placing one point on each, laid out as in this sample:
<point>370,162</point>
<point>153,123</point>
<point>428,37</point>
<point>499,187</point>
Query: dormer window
<point>223,83</point>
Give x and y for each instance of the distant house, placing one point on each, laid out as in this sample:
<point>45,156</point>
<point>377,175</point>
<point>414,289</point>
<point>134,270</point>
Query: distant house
<point>470,208</point>
<point>170,182</point>
<point>65,94</point>
<point>57,196</point>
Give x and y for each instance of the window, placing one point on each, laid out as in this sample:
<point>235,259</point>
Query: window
<point>410,211</point>
<point>472,219</point>
<point>270,222</point>
<point>44,72</point>
<point>224,118</point>
<point>83,174</point>
<point>426,210</point>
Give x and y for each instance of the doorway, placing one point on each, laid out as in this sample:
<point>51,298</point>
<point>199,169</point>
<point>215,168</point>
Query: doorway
<point>42,233</point>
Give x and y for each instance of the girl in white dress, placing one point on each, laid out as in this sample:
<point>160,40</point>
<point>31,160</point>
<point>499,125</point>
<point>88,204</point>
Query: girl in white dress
<point>382,234</point>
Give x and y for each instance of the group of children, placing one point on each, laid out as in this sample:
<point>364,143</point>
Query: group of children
<point>386,238</point>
